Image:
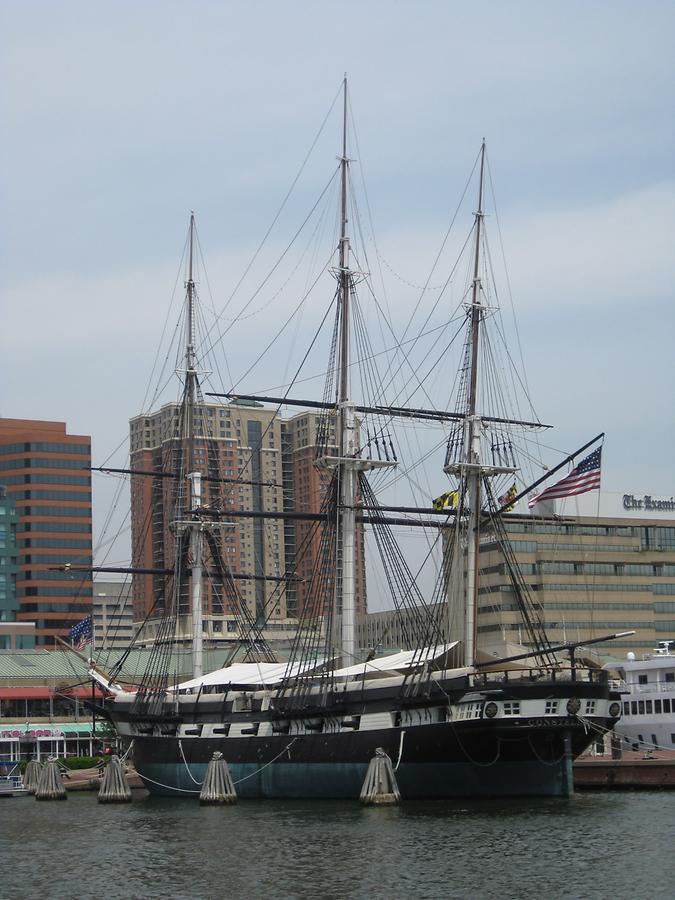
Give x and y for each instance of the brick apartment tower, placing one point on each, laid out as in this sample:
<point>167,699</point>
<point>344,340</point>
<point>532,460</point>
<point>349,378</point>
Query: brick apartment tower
<point>274,459</point>
<point>46,471</point>
<point>307,490</point>
<point>232,442</point>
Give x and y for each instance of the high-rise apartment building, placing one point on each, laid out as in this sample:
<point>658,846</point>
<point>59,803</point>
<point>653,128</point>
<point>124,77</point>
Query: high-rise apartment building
<point>46,473</point>
<point>238,448</point>
<point>253,460</point>
<point>306,493</point>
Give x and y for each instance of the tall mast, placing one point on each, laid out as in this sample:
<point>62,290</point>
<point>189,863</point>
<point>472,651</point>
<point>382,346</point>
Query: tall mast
<point>194,477</point>
<point>347,423</point>
<point>472,431</point>
<point>344,273</point>
<point>190,372</point>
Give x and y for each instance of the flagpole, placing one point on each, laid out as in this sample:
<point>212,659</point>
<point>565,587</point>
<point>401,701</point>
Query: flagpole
<point>550,472</point>
<point>93,686</point>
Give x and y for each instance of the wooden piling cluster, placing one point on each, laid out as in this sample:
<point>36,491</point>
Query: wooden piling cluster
<point>31,776</point>
<point>379,785</point>
<point>217,788</point>
<point>50,786</point>
<point>114,787</point>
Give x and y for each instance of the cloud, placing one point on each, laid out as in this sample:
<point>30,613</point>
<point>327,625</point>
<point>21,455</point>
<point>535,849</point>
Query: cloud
<point>121,121</point>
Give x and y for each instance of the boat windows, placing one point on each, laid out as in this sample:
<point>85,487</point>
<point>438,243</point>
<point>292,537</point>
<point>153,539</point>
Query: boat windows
<point>222,729</point>
<point>633,707</point>
<point>511,708</point>
<point>670,677</point>
<point>666,706</point>
<point>193,731</point>
<point>626,708</point>
<point>590,707</point>
<point>672,738</point>
<point>648,706</point>
<point>551,708</point>
<point>641,707</point>
<point>642,679</point>
<point>657,706</point>
<point>470,711</point>
<point>251,729</point>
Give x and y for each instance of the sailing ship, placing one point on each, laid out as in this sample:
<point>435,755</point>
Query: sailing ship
<point>453,722</point>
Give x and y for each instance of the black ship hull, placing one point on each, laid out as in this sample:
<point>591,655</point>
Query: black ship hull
<point>437,762</point>
<point>457,748</point>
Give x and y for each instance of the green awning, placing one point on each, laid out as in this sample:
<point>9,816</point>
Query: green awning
<point>53,730</point>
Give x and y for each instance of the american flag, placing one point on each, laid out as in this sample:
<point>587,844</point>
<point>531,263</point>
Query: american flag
<point>582,478</point>
<point>81,634</point>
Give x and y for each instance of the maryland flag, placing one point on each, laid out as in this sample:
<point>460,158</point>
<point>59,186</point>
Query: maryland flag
<point>448,500</point>
<point>503,501</point>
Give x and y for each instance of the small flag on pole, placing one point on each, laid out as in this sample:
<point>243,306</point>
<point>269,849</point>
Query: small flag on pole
<point>582,478</point>
<point>448,500</point>
<point>81,634</point>
<point>504,501</point>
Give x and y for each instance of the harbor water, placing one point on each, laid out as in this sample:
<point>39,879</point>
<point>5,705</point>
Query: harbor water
<point>591,846</point>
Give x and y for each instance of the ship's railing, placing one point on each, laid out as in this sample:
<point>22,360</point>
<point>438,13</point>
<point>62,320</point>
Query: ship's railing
<point>563,674</point>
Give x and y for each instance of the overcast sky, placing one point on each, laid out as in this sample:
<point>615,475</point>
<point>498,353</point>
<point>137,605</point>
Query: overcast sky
<point>118,119</point>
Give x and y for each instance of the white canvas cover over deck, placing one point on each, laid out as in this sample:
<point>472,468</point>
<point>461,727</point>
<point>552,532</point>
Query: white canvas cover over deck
<point>249,674</point>
<point>267,674</point>
<point>396,662</point>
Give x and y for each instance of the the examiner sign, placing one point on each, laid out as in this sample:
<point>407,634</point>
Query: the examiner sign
<point>647,502</point>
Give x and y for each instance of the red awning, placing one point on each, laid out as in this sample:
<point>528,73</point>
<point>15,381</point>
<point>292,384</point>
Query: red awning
<point>82,692</point>
<point>25,693</point>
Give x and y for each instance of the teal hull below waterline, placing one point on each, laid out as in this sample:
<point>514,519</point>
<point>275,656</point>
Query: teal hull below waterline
<point>344,781</point>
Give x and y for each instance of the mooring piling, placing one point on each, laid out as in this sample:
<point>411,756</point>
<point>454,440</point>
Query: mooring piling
<point>114,787</point>
<point>31,776</point>
<point>50,786</point>
<point>379,785</point>
<point>217,788</point>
